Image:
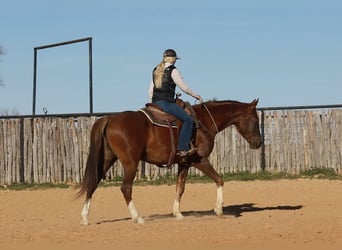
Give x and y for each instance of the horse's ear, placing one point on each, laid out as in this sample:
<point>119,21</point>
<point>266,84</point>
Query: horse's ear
<point>255,102</point>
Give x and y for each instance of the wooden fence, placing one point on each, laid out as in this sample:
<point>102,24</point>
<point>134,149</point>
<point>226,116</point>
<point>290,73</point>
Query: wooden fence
<point>54,149</point>
<point>296,140</point>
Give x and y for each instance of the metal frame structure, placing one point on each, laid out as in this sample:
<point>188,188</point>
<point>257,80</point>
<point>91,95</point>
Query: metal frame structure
<point>89,39</point>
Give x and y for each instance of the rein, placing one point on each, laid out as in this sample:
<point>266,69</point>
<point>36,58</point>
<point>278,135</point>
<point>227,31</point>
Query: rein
<point>211,117</point>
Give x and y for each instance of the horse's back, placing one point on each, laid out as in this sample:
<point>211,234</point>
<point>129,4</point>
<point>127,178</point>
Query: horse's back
<point>127,129</point>
<point>126,118</point>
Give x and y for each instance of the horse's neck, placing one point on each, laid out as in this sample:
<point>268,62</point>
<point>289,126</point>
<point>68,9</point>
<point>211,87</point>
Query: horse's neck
<point>217,118</point>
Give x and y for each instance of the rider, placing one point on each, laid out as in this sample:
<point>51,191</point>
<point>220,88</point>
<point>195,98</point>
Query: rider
<point>162,92</point>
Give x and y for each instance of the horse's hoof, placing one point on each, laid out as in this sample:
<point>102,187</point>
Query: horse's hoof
<point>218,211</point>
<point>179,216</point>
<point>85,223</point>
<point>139,220</point>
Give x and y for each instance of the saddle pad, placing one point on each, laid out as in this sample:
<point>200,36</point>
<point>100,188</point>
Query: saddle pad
<point>162,119</point>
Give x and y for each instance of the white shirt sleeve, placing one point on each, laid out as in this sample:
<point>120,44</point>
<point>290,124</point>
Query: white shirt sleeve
<point>178,79</point>
<point>150,91</point>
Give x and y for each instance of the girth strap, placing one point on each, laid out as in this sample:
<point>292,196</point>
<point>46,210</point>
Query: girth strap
<point>173,147</point>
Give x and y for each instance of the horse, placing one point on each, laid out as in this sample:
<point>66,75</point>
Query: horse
<point>129,136</point>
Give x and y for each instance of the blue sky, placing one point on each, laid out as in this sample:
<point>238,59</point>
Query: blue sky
<point>285,53</point>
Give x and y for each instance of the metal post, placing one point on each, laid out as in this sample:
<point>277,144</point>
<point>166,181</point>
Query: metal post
<point>34,81</point>
<point>90,75</point>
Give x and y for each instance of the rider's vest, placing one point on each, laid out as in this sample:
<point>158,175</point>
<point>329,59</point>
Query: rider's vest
<point>167,90</point>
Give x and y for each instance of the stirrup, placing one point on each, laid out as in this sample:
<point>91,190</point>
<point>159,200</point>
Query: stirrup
<point>184,153</point>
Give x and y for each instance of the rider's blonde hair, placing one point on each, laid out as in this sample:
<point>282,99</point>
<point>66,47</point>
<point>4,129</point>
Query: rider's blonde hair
<point>158,73</point>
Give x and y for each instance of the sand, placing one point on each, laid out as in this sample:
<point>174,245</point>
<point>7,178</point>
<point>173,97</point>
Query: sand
<point>284,214</point>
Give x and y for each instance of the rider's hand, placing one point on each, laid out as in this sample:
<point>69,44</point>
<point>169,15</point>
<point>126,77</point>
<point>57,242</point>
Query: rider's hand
<point>199,98</point>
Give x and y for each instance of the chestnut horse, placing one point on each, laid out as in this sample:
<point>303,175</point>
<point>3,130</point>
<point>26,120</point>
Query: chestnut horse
<point>130,137</point>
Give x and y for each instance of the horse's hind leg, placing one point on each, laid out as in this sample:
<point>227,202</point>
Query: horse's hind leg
<point>126,189</point>
<point>85,212</point>
<point>180,187</point>
<point>109,160</point>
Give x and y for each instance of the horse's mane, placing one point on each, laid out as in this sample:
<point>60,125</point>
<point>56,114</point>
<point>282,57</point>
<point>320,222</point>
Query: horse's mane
<point>215,101</point>
<point>224,101</point>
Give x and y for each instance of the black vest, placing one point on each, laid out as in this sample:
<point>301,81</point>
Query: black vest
<point>167,91</point>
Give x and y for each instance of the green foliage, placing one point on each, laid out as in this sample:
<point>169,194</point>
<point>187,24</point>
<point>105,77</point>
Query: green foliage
<point>168,179</point>
<point>321,173</point>
<point>33,186</point>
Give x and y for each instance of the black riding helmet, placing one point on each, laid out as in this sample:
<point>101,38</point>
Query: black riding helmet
<point>170,53</point>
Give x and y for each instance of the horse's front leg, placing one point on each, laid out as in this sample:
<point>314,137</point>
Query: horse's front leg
<point>181,178</point>
<point>206,168</point>
<point>85,212</point>
<point>126,189</point>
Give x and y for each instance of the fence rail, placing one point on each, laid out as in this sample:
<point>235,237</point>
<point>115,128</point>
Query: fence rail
<point>38,149</point>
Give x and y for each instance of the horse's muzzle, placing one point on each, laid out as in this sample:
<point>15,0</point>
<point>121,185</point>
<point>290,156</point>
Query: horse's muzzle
<point>256,144</point>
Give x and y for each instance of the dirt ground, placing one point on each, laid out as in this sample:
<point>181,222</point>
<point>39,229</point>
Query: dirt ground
<point>298,214</point>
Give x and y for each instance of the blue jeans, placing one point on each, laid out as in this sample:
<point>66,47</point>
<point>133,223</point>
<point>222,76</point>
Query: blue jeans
<point>185,133</point>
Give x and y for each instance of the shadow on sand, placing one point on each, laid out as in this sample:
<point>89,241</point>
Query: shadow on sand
<point>233,210</point>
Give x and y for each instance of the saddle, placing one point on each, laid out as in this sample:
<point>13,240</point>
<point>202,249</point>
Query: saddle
<point>160,118</point>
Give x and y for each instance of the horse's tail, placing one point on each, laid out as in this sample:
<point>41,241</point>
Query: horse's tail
<point>94,168</point>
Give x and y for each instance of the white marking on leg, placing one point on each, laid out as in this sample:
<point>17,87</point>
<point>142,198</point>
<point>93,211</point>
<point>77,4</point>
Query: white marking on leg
<point>134,213</point>
<point>85,212</point>
<point>219,201</point>
<point>176,210</point>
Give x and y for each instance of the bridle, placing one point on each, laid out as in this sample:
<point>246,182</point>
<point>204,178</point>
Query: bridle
<point>211,117</point>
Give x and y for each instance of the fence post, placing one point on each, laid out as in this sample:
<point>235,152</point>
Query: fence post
<point>263,159</point>
<point>22,164</point>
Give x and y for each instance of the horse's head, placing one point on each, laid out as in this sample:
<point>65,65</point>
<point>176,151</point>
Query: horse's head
<point>248,125</point>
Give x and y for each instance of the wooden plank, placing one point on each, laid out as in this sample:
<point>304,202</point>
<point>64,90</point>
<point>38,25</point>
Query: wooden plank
<point>16,132</point>
<point>52,146</point>
<point>267,141</point>
<point>65,148</point>
<point>6,153</point>
<point>298,140</point>
<point>9,153</point>
<point>276,141</point>
<point>73,154</point>
<point>306,139</point>
<point>316,138</point>
<point>339,139</point>
<point>286,141</point>
<point>61,151</point>
<point>44,148</point>
<point>28,154</point>
<point>2,153</point>
<point>333,133</point>
<point>282,139</point>
<point>56,153</point>
<point>327,149</point>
